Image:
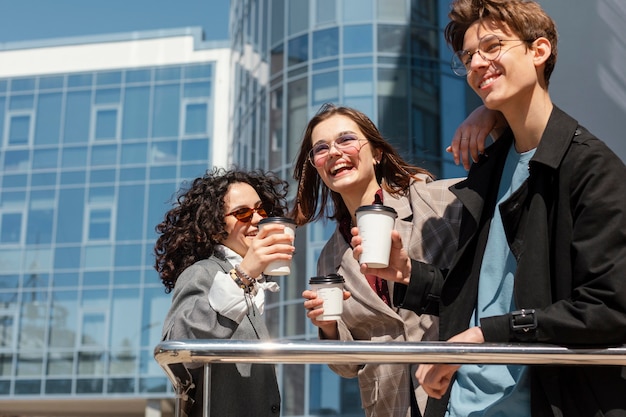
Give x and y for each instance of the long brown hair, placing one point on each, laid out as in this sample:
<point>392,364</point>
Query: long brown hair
<point>313,196</point>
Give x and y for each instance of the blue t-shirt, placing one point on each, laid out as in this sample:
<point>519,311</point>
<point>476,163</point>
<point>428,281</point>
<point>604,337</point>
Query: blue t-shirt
<point>495,390</point>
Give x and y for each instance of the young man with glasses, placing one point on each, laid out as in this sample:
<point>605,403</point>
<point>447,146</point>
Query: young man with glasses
<point>542,248</point>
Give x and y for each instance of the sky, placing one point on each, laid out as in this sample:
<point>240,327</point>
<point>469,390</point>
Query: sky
<point>26,20</point>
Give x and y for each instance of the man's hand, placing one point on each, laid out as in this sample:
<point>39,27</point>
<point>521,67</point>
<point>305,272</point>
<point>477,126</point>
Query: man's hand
<point>436,378</point>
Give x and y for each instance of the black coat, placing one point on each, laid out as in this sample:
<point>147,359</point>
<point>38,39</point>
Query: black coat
<point>566,226</point>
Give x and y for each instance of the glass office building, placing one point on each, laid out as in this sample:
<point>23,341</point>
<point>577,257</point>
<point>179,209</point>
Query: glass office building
<point>96,135</point>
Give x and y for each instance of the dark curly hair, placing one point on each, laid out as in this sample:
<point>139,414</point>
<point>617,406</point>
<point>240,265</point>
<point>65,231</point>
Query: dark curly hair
<point>313,196</point>
<point>195,225</point>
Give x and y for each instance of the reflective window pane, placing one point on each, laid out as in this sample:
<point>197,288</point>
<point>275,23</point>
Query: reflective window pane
<point>99,224</point>
<point>104,155</point>
<point>48,124</point>
<point>63,322</point>
<point>10,227</point>
<point>53,82</point>
<point>106,124</point>
<point>22,102</point>
<point>79,80</point>
<point>77,115</point>
<point>22,84</point>
<point>45,158</point>
<point>167,74</point>
<point>131,203</point>
<point>108,96</point>
<point>199,89</point>
<point>393,10</point>
<point>136,113</point>
<point>298,50</point>
<point>325,88</point>
<point>138,76</point>
<point>298,16</point>
<point>325,43</point>
<point>19,130</point>
<point>198,71</point>
<point>325,12</point>
<point>109,77</point>
<point>70,217</point>
<point>357,39</point>
<point>134,153</point>
<point>196,119</point>
<point>195,149</point>
<point>357,10</point>
<point>392,39</point>
<point>166,111</point>
<point>74,157</point>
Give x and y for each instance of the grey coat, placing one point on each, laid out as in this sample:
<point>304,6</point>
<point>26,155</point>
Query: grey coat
<point>237,389</point>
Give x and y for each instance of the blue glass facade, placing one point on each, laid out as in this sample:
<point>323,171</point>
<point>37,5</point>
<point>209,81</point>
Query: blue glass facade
<point>88,164</point>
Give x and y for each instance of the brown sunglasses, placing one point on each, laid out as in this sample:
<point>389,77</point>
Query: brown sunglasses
<point>245,214</point>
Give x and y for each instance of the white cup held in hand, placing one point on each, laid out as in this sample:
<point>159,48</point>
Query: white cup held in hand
<point>280,267</point>
<point>330,289</point>
<point>375,223</point>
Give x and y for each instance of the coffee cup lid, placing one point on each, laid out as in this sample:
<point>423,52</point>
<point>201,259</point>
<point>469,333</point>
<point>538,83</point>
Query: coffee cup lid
<point>328,279</point>
<point>378,207</point>
<point>277,219</point>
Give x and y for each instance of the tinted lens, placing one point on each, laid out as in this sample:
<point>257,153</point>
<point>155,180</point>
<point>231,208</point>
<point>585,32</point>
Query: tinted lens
<point>245,214</point>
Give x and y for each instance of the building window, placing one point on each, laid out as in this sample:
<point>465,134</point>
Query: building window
<point>19,129</point>
<point>100,223</point>
<point>195,119</point>
<point>11,228</point>
<point>105,124</point>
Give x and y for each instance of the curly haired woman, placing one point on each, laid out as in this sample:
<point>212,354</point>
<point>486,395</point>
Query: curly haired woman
<point>211,254</point>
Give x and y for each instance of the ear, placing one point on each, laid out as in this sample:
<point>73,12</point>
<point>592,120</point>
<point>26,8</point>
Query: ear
<point>378,156</point>
<point>542,48</point>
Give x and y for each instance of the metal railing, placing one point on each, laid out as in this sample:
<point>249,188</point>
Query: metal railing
<point>175,357</point>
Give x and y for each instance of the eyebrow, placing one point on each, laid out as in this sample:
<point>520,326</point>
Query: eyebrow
<point>340,134</point>
<point>256,205</point>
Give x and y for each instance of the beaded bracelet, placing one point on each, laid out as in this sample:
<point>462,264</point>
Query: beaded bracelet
<point>242,275</point>
<point>238,281</point>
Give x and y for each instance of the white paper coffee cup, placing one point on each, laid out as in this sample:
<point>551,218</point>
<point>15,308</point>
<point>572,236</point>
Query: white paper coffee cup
<point>330,289</point>
<point>280,267</point>
<point>375,223</point>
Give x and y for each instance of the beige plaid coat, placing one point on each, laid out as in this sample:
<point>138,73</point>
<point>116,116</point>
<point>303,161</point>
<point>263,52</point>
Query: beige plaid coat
<point>428,222</point>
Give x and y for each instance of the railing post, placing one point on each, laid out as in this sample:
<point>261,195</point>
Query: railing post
<point>206,392</point>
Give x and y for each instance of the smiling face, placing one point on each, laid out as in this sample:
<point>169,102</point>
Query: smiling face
<point>348,173</point>
<point>240,234</point>
<point>509,80</point>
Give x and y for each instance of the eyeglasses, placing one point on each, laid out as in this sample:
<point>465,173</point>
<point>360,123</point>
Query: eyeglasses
<point>489,49</point>
<point>245,214</point>
<point>348,144</point>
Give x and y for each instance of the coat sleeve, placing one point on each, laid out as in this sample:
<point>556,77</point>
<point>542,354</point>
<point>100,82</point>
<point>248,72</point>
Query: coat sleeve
<point>190,315</point>
<point>423,292</point>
